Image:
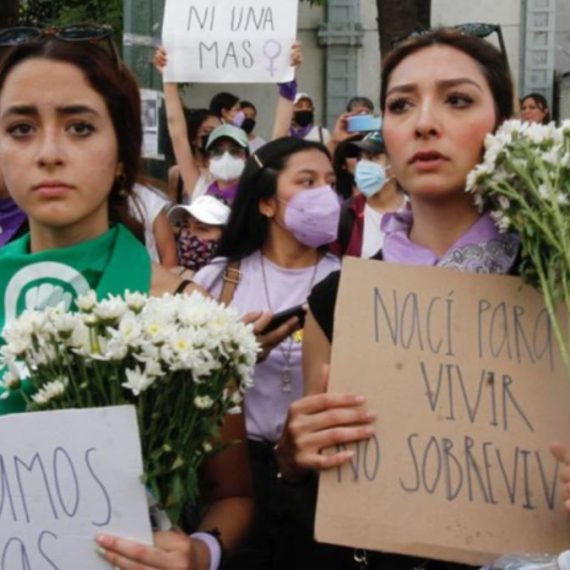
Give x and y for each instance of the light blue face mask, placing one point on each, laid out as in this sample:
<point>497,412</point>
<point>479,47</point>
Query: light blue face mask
<point>370,177</point>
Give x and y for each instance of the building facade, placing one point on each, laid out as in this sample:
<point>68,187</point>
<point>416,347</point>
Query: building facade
<point>342,56</point>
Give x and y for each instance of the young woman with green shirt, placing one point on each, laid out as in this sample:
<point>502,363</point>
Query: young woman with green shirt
<point>70,139</point>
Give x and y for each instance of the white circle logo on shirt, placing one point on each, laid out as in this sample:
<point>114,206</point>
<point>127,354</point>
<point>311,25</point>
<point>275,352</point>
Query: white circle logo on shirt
<point>43,284</point>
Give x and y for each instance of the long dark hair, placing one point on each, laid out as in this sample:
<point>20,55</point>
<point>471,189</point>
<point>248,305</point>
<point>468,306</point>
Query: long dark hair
<point>247,228</point>
<point>490,60</point>
<point>114,82</point>
<point>223,101</point>
<point>344,179</point>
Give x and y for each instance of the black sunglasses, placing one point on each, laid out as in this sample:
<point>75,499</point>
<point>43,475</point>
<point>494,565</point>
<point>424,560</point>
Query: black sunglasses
<point>19,35</point>
<point>477,29</point>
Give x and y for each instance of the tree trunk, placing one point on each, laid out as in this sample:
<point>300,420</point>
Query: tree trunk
<point>8,13</point>
<point>397,19</point>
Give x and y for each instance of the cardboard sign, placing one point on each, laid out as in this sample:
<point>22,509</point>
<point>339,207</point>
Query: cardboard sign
<point>229,41</point>
<point>64,477</point>
<point>463,373</point>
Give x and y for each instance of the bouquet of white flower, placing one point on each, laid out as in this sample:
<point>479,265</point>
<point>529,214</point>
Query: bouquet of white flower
<point>183,361</point>
<point>524,181</point>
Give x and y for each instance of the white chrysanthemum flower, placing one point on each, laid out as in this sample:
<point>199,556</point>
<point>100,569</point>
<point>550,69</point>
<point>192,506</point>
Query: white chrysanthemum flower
<point>64,324</point>
<point>543,191</point>
<point>11,380</point>
<point>46,354</point>
<point>85,303</point>
<point>49,391</point>
<point>110,309</point>
<point>116,350</point>
<point>152,368</point>
<point>504,202</point>
<point>135,301</point>
<point>16,345</point>
<point>553,156</point>
<point>203,402</point>
<point>137,381</point>
<point>502,221</point>
<point>90,320</point>
<point>129,330</point>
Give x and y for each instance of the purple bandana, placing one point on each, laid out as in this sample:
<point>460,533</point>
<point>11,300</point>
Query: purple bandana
<point>300,132</point>
<point>481,249</point>
<point>227,195</point>
<point>11,220</point>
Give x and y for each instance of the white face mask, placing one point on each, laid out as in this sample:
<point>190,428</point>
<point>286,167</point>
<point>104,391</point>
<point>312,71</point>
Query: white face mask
<point>226,168</point>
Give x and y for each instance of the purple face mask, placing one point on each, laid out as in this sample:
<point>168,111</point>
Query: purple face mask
<point>238,119</point>
<point>312,216</point>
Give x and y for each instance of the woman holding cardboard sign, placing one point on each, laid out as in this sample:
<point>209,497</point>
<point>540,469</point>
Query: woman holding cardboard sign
<point>442,92</point>
<point>69,152</point>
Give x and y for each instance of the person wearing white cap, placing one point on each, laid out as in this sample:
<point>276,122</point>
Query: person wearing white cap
<point>201,224</point>
<point>303,124</point>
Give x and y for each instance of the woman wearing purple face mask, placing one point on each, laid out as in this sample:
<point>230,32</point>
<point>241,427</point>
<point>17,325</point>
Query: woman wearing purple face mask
<point>284,215</point>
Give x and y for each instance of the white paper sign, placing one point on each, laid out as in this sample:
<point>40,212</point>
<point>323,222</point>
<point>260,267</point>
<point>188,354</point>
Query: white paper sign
<point>229,41</point>
<point>64,477</point>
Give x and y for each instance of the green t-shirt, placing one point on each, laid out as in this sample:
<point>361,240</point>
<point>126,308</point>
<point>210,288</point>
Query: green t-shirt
<point>111,263</point>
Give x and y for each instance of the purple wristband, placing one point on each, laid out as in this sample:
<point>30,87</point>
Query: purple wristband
<point>213,545</point>
<point>288,90</point>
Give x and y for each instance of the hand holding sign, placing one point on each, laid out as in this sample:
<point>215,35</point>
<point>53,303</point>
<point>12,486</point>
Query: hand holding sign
<point>319,421</point>
<point>562,452</point>
<point>464,375</point>
<point>246,41</point>
<point>170,550</point>
<point>66,476</point>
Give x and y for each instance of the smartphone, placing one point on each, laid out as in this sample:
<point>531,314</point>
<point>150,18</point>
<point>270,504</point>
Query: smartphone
<point>362,123</point>
<point>283,316</point>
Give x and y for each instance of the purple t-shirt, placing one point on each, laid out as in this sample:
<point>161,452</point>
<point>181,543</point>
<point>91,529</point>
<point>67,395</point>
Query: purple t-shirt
<point>266,403</point>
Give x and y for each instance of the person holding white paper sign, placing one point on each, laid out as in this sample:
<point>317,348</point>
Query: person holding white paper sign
<point>192,177</point>
<point>443,91</point>
<point>70,146</point>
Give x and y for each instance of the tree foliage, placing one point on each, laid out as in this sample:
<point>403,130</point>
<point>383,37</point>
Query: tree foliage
<point>64,12</point>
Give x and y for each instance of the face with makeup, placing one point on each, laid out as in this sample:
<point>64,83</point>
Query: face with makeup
<point>439,107</point>
<point>58,148</point>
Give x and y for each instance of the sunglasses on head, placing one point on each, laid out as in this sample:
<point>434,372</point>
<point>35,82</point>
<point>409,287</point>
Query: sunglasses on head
<point>10,37</point>
<point>477,29</point>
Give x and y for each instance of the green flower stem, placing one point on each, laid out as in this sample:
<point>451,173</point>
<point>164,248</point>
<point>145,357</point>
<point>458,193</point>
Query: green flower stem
<point>505,189</point>
<point>547,293</point>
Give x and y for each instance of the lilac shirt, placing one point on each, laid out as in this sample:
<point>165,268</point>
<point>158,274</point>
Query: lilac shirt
<point>481,249</point>
<point>266,404</point>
